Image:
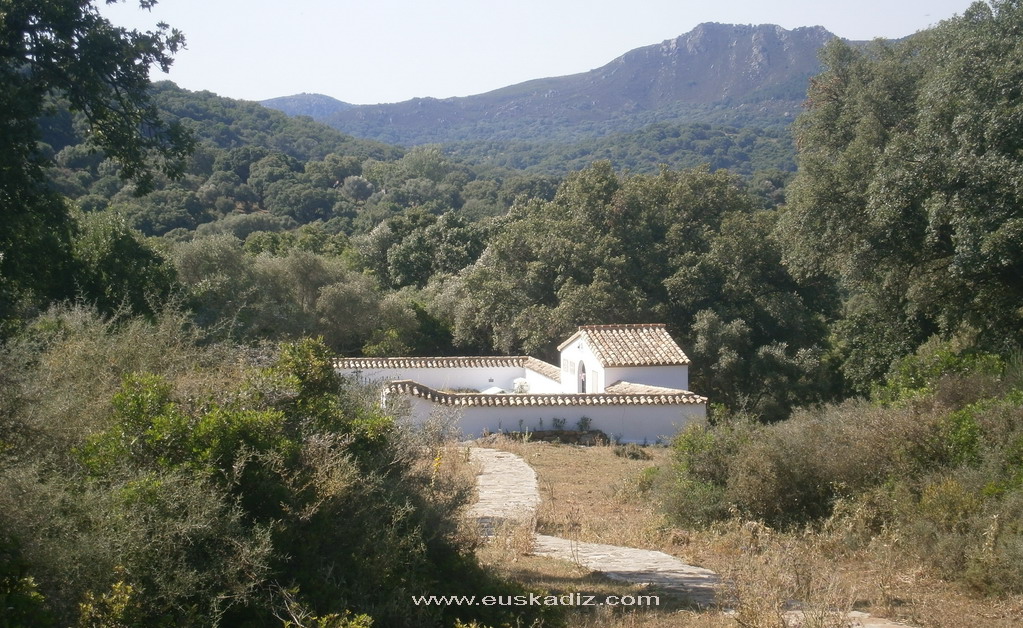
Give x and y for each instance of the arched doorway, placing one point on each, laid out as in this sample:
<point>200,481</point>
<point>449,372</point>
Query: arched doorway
<point>582,376</point>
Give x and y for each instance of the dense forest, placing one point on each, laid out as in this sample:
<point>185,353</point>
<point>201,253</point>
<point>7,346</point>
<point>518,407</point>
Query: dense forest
<point>746,150</point>
<point>178,269</point>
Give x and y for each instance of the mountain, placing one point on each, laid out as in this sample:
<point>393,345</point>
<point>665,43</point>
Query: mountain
<point>316,106</point>
<point>717,73</point>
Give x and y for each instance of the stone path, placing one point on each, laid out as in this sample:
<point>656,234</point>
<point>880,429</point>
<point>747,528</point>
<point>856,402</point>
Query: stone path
<point>508,492</point>
<point>637,566</point>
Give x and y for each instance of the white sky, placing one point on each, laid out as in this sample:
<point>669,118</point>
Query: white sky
<point>376,51</point>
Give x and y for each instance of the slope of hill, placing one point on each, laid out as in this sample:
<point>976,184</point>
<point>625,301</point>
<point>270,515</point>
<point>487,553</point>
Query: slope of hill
<point>716,73</point>
<point>743,150</point>
<point>229,123</point>
<point>316,106</point>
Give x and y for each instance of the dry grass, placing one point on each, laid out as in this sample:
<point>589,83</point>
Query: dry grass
<point>590,494</point>
<point>509,556</point>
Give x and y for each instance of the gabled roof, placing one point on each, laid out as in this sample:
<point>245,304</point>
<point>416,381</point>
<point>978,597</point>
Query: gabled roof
<point>546,369</point>
<point>518,361</point>
<point>630,345</point>
<point>622,387</point>
<point>651,398</point>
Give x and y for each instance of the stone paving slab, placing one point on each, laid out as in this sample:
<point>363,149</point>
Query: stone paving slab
<point>636,566</point>
<point>506,490</point>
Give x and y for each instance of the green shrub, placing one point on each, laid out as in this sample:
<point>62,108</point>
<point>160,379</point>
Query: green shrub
<point>701,468</point>
<point>20,600</point>
<point>941,470</point>
<point>959,436</point>
<point>995,564</point>
<point>152,477</point>
<point>792,472</point>
<point>918,375</point>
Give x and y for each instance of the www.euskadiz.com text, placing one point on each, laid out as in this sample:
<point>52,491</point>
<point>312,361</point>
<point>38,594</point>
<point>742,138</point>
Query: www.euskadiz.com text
<point>534,599</point>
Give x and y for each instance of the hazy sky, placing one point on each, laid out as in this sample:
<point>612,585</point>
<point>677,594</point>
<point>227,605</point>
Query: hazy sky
<point>377,51</point>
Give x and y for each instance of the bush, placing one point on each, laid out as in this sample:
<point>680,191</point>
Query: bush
<point>780,473</point>
<point>919,375</point>
<point>946,478</point>
<point>147,477</point>
<point>631,451</point>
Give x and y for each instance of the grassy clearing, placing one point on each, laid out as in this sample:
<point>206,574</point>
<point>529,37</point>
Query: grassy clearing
<point>591,494</point>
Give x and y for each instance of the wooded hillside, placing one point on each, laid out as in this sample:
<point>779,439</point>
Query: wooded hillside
<point>178,268</point>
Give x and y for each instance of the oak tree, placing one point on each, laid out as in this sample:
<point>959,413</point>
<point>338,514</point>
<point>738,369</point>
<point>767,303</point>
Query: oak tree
<point>65,50</point>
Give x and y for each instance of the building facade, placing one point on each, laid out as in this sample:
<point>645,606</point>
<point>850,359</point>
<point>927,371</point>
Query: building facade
<point>629,381</point>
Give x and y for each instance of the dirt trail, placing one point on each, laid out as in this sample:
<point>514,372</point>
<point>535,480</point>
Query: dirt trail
<point>508,492</point>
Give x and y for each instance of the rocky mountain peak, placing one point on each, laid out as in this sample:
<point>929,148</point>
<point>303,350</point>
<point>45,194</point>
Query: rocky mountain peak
<point>712,70</point>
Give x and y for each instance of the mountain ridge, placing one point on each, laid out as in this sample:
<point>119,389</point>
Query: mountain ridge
<point>719,73</point>
<point>304,104</point>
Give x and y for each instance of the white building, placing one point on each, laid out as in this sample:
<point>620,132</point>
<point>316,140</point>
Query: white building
<point>629,381</point>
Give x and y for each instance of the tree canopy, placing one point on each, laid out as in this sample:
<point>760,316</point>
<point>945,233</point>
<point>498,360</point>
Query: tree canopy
<point>685,247</point>
<point>59,52</point>
<point>908,190</point>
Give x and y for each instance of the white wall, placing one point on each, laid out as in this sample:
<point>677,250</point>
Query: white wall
<point>540,384</point>
<point>478,378</point>
<point>666,376</point>
<point>579,351</point>
<point>627,424</point>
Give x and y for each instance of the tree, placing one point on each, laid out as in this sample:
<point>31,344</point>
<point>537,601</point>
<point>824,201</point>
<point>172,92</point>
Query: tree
<point>65,49</point>
<point>220,282</point>
<point>357,188</point>
<point>757,335</point>
<point>908,191</point>
<point>684,247</point>
<point>114,268</point>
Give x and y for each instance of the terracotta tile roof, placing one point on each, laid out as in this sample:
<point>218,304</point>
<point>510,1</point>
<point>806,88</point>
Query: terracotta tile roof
<point>629,388</point>
<point>630,345</point>
<point>415,389</point>
<point>546,369</point>
<point>516,361</point>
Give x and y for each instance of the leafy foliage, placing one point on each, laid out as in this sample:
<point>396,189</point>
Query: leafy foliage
<point>743,150</point>
<point>68,51</point>
<point>908,190</point>
<point>224,486</point>
<point>115,268</point>
<point>685,247</point>
<point>153,472</point>
<point>936,464</point>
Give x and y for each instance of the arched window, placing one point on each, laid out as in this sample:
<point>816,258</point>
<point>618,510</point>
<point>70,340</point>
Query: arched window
<point>582,376</point>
